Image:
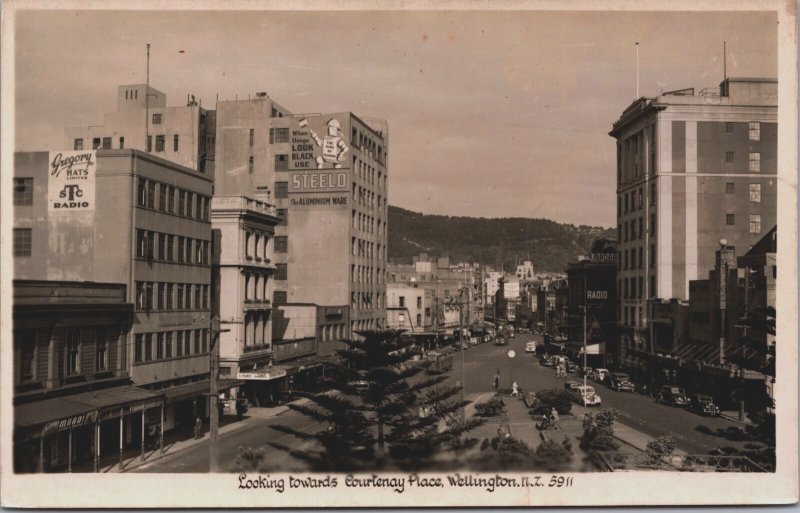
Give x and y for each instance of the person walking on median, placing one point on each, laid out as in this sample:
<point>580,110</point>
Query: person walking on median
<point>514,389</point>
<point>554,418</point>
<point>198,428</point>
<point>496,380</point>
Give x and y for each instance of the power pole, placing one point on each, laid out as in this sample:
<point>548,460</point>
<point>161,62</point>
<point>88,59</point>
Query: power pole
<point>214,395</point>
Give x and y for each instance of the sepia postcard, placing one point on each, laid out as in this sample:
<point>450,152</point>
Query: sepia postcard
<point>371,254</point>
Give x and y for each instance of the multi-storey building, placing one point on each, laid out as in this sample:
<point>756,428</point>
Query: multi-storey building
<point>409,307</point>
<point>691,169</point>
<point>184,135</point>
<point>123,216</point>
<point>327,176</point>
<point>243,230</point>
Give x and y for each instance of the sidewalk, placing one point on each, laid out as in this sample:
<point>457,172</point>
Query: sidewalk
<point>175,442</point>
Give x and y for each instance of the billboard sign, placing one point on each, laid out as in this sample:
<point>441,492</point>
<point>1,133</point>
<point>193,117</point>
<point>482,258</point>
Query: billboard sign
<point>318,142</point>
<point>71,181</point>
<point>318,181</point>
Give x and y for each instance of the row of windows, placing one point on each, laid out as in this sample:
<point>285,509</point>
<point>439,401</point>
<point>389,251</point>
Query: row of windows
<point>171,296</point>
<point>367,198</point>
<point>628,231</point>
<point>150,347</point>
<point>368,144</point>
<point>165,198</point>
<point>368,173</point>
<point>366,324</point>
<point>256,245</point>
<point>753,159</point>
<point>256,286</point>
<point>98,143</point>
<point>629,202</point>
<point>367,300</point>
<point>171,248</point>
<point>629,290</point>
<point>367,223</point>
<point>634,258</point>
<point>161,142</point>
<point>366,274</point>
<point>276,136</point>
<point>753,130</point>
<point>628,315</point>
<point>402,302</point>
<point>256,328</point>
<point>367,249</point>
<point>74,363</point>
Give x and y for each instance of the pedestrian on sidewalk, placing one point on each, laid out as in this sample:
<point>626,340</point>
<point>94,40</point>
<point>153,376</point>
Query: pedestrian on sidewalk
<point>198,428</point>
<point>496,380</point>
<point>514,389</point>
<point>554,418</point>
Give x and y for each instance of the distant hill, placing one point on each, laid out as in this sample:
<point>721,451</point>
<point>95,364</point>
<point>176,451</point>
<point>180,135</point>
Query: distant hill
<point>548,244</point>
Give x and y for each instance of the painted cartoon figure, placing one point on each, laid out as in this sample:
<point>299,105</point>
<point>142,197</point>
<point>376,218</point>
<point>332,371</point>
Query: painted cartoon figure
<point>333,146</point>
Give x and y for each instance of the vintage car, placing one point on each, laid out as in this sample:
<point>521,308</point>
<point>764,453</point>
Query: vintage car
<point>474,341</point>
<point>587,396</point>
<point>530,347</point>
<point>620,382</point>
<point>703,404</point>
<point>672,395</point>
<point>571,385</point>
<point>599,375</point>
<point>500,341</point>
<point>546,360</point>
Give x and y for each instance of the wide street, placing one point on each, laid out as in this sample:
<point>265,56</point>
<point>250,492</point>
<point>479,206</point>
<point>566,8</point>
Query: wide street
<point>481,362</point>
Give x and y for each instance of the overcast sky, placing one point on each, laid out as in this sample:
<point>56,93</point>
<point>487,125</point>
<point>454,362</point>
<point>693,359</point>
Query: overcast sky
<point>495,114</point>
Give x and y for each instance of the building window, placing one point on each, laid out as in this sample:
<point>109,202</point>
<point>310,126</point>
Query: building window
<point>162,246</point>
<point>652,224</point>
<point>755,192</point>
<point>281,190</point>
<point>652,255</point>
<point>652,286</point>
<point>148,347</point>
<point>754,130</point>
<point>252,136</point>
<point>179,302</point>
<point>170,287</point>
<point>641,227</point>
<point>419,302</point>
<point>96,143</point>
<point>77,144</point>
<point>159,346</point>
<point>402,300</point>
<point>27,341</point>
<point>151,195</point>
<point>641,257</point>
<point>730,187</point>
<point>73,351</point>
<point>281,244</point>
<point>419,319</point>
<point>168,344</point>
<point>175,142</point>
<point>278,135</point>
<point>149,143</point>
<point>281,271</point>
<point>106,143</point>
<point>23,242</point>
<point>181,202</point>
<point>730,219</point>
<point>729,127</point>
<point>283,215</point>
<point>250,165</point>
<point>141,196</point>
<point>157,119</point>
<point>148,296</point>
<point>138,348</point>
<point>755,162</point>
<point>23,191</point>
<point>171,200</point>
<point>281,162</point>
<point>169,254</point>
<point>160,142</point>
<point>279,297</point>
<point>121,143</point>
<point>179,343</point>
<point>729,157</point>
<point>160,300</point>
<point>162,197</point>
<point>755,223</point>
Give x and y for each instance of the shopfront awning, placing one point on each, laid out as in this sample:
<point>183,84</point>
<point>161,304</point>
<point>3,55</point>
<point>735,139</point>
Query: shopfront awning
<point>198,388</point>
<point>75,410</point>
<point>708,355</point>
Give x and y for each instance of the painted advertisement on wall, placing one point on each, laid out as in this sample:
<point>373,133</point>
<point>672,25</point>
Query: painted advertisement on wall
<point>71,181</point>
<point>319,142</point>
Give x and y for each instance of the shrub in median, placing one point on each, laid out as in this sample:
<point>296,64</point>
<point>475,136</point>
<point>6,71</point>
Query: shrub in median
<point>661,447</point>
<point>558,398</point>
<point>490,408</point>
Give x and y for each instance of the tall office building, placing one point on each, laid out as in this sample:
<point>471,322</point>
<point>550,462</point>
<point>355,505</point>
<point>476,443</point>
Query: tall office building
<point>692,168</point>
<point>327,176</point>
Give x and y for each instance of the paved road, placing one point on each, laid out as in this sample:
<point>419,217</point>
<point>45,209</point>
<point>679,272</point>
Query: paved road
<point>637,411</point>
<point>481,363</point>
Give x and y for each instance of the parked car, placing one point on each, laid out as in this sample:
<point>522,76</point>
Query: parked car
<point>530,347</point>
<point>571,385</point>
<point>571,367</point>
<point>587,396</point>
<point>474,341</point>
<point>620,382</point>
<point>585,371</point>
<point>599,375</point>
<point>703,404</point>
<point>546,360</point>
<point>672,395</point>
<point>510,334</point>
<point>500,341</point>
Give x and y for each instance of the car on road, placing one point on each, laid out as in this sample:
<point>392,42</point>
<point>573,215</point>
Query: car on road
<point>704,405</point>
<point>500,341</point>
<point>571,385</point>
<point>546,360</point>
<point>599,375</point>
<point>530,347</point>
<point>572,368</point>
<point>587,396</point>
<point>474,341</point>
<point>510,334</point>
<point>620,382</point>
<point>672,395</point>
